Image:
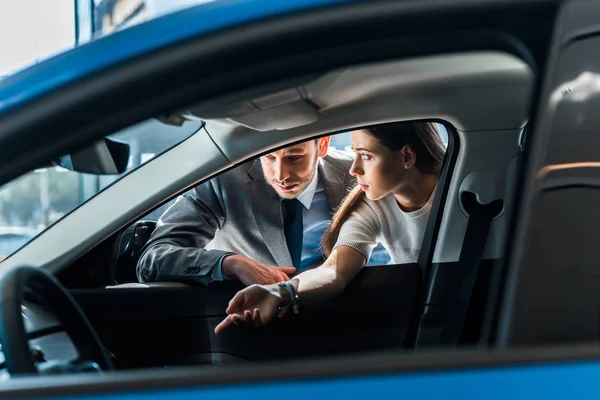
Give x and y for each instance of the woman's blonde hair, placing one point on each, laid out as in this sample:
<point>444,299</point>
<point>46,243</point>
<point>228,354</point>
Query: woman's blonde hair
<point>424,140</point>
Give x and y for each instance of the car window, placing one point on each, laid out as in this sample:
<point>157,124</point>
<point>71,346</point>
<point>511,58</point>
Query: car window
<point>33,202</point>
<point>340,142</point>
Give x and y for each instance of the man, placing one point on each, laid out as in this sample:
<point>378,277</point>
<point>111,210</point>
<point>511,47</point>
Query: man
<point>259,222</point>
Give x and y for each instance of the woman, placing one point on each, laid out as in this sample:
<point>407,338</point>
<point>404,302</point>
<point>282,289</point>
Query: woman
<point>396,166</point>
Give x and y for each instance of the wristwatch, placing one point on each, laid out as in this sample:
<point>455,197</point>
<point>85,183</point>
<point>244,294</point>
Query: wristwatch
<point>291,291</point>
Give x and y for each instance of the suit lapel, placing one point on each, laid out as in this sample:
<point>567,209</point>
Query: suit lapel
<point>334,184</point>
<point>266,209</point>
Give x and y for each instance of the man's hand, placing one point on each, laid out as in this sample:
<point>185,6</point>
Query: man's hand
<point>255,305</point>
<point>251,272</point>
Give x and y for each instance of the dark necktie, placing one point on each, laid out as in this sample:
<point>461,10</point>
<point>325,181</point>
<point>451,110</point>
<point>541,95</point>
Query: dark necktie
<point>294,229</point>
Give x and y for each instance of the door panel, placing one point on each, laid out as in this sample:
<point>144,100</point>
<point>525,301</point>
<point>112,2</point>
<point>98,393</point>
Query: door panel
<point>171,323</point>
<point>167,323</point>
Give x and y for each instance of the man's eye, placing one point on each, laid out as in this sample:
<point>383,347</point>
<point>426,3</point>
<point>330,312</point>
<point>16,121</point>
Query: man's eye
<point>365,157</point>
<point>270,158</point>
<point>295,158</point>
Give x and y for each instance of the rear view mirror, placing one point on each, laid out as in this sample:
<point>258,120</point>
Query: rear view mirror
<point>105,157</point>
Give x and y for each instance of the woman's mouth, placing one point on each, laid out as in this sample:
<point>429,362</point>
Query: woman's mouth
<point>363,187</point>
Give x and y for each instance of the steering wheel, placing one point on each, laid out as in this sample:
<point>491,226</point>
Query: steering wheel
<point>14,339</point>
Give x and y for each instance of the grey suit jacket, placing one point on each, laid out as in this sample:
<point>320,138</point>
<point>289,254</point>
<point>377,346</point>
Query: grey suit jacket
<point>235,212</point>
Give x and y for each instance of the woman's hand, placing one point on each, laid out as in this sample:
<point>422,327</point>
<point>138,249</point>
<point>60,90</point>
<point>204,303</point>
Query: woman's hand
<point>255,305</point>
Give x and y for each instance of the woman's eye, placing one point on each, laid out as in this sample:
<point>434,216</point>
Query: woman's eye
<point>365,157</point>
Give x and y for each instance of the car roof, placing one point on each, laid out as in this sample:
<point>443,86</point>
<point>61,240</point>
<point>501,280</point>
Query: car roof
<point>103,53</point>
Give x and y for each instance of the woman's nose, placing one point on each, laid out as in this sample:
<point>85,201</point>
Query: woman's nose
<point>355,169</point>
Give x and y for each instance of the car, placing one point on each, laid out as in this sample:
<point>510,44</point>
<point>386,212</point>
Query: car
<point>502,300</point>
<point>12,238</point>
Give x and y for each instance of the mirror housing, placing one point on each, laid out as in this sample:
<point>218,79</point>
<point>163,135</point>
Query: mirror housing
<point>105,157</point>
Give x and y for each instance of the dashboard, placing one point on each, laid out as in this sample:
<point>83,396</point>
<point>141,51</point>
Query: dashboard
<point>47,339</point>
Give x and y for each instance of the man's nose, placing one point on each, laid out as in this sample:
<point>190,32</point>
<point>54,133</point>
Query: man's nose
<point>281,172</point>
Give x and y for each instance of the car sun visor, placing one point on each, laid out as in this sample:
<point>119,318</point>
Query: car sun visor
<point>282,117</point>
<point>281,110</point>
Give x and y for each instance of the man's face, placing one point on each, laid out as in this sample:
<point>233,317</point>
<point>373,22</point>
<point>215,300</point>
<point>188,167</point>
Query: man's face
<point>290,170</point>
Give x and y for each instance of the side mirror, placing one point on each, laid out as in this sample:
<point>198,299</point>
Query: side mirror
<point>105,157</point>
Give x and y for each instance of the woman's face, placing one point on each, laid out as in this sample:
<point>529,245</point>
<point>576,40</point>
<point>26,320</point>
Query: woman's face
<point>378,170</point>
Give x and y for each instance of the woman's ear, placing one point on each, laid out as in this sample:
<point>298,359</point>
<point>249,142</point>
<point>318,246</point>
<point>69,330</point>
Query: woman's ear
<point>409,158</point>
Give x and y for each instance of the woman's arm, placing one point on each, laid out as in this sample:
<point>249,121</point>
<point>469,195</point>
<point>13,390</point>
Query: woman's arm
<point>258,304</point>
<point>331,278</point>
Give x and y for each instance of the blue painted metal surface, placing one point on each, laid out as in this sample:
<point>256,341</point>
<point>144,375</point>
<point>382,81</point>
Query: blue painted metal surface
<point>575,380</point>
<point>141,39</point>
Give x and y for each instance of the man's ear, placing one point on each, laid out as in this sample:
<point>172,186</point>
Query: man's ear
<point>323,145</point>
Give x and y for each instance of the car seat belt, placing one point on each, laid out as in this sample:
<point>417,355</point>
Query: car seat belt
<point>471,255</point>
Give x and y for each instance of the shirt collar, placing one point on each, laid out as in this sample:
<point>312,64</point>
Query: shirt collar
<point>306,197</point>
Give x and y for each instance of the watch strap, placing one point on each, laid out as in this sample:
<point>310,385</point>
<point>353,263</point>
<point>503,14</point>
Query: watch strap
<point>291,291</point>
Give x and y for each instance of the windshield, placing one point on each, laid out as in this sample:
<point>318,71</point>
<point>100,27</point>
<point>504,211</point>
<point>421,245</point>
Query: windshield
<point>33,202</point>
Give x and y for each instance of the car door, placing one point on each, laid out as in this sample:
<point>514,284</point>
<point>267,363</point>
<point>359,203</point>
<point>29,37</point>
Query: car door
<point>520,311</point>
<point>383,307</point>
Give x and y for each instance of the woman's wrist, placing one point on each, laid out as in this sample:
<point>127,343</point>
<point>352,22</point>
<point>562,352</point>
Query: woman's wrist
<point>288,293</point>
<point>282,295</point>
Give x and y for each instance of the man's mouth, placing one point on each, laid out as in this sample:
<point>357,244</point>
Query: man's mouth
<point>287,188</point>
